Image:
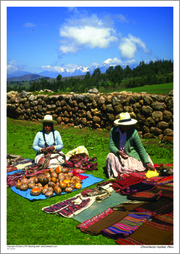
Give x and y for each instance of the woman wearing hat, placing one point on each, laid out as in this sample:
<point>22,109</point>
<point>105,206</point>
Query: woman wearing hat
<point>48,139</point>
<point>127,152</point>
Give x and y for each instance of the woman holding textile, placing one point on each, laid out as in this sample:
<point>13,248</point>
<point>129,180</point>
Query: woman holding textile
<point>127,152</point>
<point>48,139</point>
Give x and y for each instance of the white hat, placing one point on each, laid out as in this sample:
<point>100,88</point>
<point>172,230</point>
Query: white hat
<point>125,119</point>
<point>48,119</point>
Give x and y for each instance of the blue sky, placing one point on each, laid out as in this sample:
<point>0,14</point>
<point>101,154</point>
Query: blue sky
<point>58,38</point>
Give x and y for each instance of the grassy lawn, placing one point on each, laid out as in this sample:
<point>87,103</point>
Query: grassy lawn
<point>27,224</point>
<point>152,89</point>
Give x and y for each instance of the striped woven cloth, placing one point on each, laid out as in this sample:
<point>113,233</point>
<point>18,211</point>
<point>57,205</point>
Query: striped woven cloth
<point>127,226</point>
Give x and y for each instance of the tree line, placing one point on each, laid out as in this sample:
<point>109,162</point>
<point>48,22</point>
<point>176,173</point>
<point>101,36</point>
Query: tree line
<point>158,72</point>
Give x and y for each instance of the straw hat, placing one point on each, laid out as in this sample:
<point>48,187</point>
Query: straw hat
<point>125,119</point>
<point>48,119</point>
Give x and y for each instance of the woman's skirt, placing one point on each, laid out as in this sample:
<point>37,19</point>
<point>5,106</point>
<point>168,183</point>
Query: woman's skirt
<point>116,165</point>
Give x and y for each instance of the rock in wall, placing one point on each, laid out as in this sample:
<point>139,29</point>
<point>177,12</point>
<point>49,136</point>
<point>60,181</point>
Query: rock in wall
<point>153,112</point>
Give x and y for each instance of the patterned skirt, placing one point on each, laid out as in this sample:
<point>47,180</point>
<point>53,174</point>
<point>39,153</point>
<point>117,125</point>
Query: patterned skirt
<point>117,165</point>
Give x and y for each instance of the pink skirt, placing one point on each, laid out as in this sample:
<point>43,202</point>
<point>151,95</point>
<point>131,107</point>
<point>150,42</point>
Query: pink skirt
<point>115,165</point>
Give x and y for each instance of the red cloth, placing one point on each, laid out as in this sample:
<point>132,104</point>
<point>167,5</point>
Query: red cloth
<point>79,175</point>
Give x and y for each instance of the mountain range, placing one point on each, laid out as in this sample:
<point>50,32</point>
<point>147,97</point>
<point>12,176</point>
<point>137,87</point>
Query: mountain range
<point>27,76</point>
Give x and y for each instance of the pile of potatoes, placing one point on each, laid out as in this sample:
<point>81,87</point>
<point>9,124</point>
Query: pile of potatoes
<point>51,181</point>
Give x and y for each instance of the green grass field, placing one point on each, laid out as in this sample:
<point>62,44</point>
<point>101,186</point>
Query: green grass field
<point>151,89</point>
<point>27,224</point>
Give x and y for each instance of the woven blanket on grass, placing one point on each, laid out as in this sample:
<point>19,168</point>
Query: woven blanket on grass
<point>90,180</point>
<point>150,233</point>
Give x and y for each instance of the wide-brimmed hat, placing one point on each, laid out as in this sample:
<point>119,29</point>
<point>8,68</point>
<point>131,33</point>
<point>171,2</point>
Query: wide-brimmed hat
<point>48,119</point>
<point>125,119</point>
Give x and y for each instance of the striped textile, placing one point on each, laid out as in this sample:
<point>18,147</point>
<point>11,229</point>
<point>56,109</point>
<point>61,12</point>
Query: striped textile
<point>94,219</point>
<point>150,233</point>
<point>127,226</point>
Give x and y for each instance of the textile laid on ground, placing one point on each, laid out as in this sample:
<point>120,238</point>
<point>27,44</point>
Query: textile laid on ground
<point>100,206</point>
<point>94,219</point>
<point>15,162</point>
<point>166,218</point>
<point>77,150</point>
<point>82,161</point>
<point>150,233</point>
<point>145,195</point>
<point>112,218</point>
<point>70,207</point>
<point>90,180</point>
<point>148,221</point>
<point>131,183</point>
<point>13,177</point>
<point>163,205</point>
<point>127,225</point>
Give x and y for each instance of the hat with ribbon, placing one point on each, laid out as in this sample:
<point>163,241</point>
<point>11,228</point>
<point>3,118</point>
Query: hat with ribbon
<point>48,119</point>
<point>125,119</point>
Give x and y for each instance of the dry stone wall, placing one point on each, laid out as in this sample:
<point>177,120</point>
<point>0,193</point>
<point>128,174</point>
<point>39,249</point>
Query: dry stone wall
<point>153,112</point>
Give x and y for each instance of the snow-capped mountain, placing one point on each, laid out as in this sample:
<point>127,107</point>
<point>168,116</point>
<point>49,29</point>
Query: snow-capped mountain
<point>65,72</point>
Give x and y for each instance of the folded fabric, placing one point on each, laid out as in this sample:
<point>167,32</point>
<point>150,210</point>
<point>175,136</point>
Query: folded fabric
<point>94,219</point>
<point>105,222</point>
<point>164,218</point>
<point>112,218</point>
<point>126,226</point>
<point>11,168</point>
<point>161,206</point>
<point>126,180</point>
<point>129,205</point>
<point>145,195</point>
<point>150,233</point>
<point>70,207</point>
<point>165,180</point>
<point>141,186</point>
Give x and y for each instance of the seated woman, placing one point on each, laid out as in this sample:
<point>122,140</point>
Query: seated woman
<point>127,152</point>
<point>48,139</point>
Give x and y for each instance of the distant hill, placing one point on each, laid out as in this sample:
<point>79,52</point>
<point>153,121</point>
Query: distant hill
<point>27,77</point>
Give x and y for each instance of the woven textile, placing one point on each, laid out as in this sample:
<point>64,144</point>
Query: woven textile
<point>164,218</point>
<point>120,211</point>
<point>131,183</point>
<point>123,183</point>
<point>94,219</point>
<point>150,233</point>
<point>68,208</point>
<point>165,180</point>
<point>161,206</point>
<point>127,226</point>
<point>145,195</point>
<point>105,222</point>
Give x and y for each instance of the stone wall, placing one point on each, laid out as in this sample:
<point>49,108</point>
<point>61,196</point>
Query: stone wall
<point>153,112</point>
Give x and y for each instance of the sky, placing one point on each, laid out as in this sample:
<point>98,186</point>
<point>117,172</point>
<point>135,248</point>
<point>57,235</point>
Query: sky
<point>69,37</point>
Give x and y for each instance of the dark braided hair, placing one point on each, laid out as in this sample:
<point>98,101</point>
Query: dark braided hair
<point>52,128</point>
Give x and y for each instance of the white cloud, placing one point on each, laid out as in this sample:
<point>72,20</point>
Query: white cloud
<point>121,18</point>
<point>115,61</point>
<point>87,35</point>
<point>12,67</point>
<point>29,24</point>
<point>130,46</point>
<point>86,31</point>
<point>53,68</point>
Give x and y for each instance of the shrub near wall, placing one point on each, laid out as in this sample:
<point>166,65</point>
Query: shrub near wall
<point>153,112</point>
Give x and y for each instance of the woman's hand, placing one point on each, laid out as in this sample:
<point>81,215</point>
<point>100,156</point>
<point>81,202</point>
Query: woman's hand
<point>123,154</point>
<point>149,166</point>
<point>44,150</point>
<point>51,149</point>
